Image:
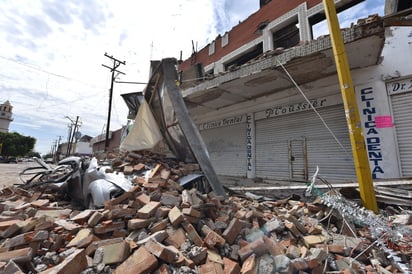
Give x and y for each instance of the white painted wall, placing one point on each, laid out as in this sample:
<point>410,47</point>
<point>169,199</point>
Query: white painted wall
<point>370,85</point>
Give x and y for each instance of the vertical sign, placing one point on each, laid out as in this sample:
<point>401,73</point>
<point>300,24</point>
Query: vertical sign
<point>250,145</point>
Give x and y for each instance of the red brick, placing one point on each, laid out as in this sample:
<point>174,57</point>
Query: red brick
<point>230,267</point>
<point>115,253</point>
<point>248,266</point>
<point>102,229</point>
<point>140,262</point>
<point>175,216</point>
<point>259,247</point>
<point>19,255</point>
<point>159,226</point>
<point>148,210</point>
<point>134,224</point>
<point>161,251</point>
<point>163,269</point>
<point>71,264</point>
<point>143,199</point>
<point>211,268</point>
<point>232,231</point>
<point>177,238</point>
<point>40,203</point>
<point>212,239</point>
<point>191,212</point>
<point>96,244</point>
<point>273,246</point>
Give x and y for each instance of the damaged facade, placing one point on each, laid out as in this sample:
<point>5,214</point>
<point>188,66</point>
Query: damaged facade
<point>244,92</point>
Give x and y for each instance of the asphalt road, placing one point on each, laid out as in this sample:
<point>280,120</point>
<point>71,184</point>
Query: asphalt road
<point>9,173</point>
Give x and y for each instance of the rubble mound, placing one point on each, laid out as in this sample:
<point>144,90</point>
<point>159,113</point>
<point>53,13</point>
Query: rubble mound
<point>161,227</point>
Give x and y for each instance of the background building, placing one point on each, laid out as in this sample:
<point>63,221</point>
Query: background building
<point>5,116</point>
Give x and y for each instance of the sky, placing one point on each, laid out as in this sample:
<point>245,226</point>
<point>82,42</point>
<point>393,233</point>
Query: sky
<point>52,54</point>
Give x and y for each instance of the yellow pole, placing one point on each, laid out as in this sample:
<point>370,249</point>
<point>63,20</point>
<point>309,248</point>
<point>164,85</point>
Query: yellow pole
<point>360,156</point>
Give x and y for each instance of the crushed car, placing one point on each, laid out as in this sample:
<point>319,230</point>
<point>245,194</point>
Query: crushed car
<point>83,181</point>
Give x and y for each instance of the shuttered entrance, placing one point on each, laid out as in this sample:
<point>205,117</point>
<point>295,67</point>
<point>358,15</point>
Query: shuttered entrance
<point>227,149</point>
<point>291,146</point>
<point>401,106</point>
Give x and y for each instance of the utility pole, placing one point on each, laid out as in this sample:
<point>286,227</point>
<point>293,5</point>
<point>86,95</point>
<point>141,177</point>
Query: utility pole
<point>360,156</point>
<point>116,64</point>
<point>57,152</point>
<point>74,128</point>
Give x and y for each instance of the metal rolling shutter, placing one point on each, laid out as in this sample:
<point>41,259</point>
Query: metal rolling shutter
<point>401,105</point>
<point>273,137</point>
<point>227,149</point>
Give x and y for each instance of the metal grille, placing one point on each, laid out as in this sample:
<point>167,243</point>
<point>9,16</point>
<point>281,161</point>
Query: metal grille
<point>274,136</point>
<point>227,149</point>
<point>401,105</point>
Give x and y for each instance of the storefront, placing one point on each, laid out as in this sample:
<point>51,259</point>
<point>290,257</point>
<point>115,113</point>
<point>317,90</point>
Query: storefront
<point>226,143</point>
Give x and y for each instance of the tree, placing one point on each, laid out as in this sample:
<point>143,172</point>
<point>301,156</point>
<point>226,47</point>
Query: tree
<point>15,144</point>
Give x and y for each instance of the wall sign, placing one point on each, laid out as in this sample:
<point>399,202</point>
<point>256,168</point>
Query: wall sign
<point>224,122</point>
<point>250,145</point>
<point>285,109</point>
<point>400,86</point>
<point>372,138</point>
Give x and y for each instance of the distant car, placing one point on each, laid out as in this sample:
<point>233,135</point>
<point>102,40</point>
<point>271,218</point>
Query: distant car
<point>13,160</point>
<point>8,160</point>
<point>49,161</point>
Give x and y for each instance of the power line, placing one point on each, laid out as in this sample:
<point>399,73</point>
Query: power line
<point>48,72</point>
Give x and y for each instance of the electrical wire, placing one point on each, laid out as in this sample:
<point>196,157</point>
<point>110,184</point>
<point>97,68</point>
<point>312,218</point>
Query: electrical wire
<point>311,105</point>
<point>48,72</point>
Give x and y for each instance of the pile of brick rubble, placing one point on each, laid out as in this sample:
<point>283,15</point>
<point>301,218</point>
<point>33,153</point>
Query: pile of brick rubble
<point>160,227</point>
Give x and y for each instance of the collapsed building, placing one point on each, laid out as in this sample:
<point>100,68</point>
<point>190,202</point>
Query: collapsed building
<point>246,91</point>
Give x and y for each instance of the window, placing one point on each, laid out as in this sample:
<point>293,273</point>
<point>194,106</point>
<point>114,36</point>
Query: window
<point>212,47</point>
<point>225,39</point>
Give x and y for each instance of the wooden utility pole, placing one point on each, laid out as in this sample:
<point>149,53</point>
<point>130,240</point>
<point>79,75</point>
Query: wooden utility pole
<point>116,64</point>
<point>360,156</point>
<point>73,131</point>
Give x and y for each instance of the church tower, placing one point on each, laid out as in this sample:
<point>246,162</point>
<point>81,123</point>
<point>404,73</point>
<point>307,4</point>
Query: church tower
<point>5,116</point>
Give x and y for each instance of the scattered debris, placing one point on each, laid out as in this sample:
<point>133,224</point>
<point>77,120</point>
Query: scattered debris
<point>158,226</point>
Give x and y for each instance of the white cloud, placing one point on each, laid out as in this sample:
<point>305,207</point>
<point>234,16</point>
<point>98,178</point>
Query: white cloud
<point>53,51</point>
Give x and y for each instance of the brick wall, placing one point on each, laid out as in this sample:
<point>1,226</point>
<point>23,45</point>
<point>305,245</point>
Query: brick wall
<point>244,32</point>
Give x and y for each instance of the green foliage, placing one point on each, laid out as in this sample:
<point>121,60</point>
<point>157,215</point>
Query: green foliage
<point>15,144</point>
<point>33,154</point>
<point>48,155</point>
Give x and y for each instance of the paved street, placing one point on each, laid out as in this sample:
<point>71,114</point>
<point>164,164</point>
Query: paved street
<point>9,173</point>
